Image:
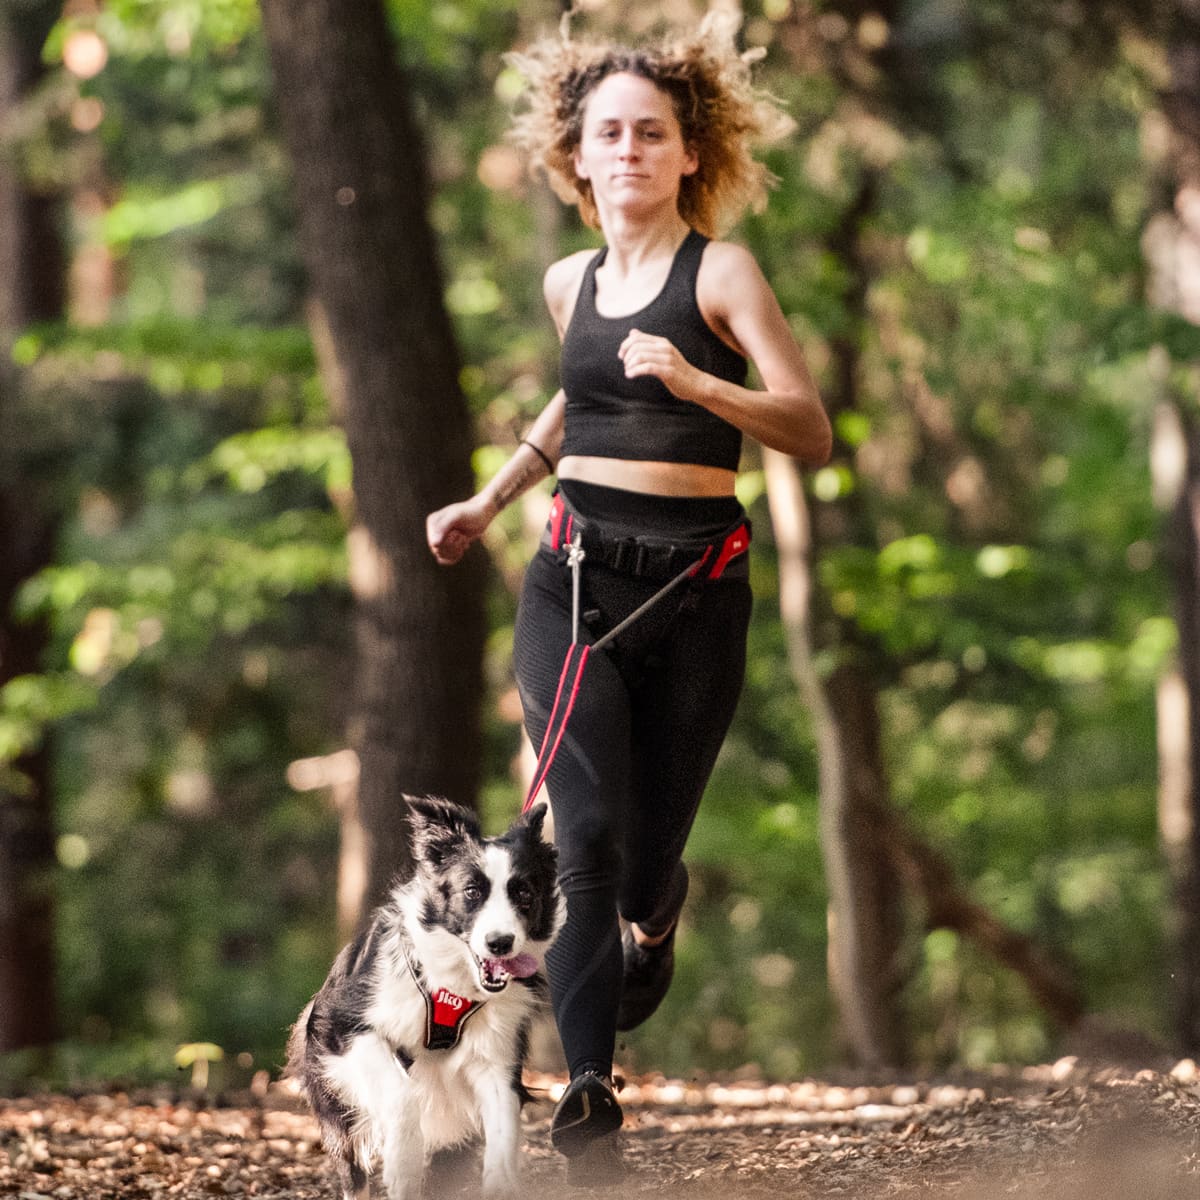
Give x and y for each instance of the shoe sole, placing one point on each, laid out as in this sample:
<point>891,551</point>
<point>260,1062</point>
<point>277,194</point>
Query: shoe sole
<point>573,1138</point>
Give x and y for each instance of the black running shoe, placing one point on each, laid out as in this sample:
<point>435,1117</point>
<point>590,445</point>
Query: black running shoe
<point>587,1111</point>
<point>647,976</point>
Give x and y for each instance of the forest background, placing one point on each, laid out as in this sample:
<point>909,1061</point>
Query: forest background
<point>953,823</point>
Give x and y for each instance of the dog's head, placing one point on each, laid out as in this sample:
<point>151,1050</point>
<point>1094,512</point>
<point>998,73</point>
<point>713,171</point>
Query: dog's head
<point>498,897</point>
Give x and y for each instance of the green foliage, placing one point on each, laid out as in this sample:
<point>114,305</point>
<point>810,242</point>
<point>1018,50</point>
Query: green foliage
<point>200,585</point>
<point>29,703</point>
<point>190,613</point>
<point>1006,585</point>
<point>1006,590</point>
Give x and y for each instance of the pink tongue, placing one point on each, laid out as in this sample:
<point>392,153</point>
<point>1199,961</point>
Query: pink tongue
<point>521,966</point>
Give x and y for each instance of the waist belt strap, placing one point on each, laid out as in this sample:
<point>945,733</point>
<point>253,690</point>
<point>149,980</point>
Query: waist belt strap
<point>649,558</point>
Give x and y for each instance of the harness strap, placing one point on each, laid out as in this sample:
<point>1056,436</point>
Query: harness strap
<point>574,663</point>
<point>556,519</point>
<point>445,1012</point>
<point>646,605</point>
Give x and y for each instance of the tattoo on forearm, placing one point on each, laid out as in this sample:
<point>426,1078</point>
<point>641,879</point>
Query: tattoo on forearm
<point>524,476</point>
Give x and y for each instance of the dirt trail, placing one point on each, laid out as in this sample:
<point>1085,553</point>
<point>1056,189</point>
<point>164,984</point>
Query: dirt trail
<point>1061,1131</point>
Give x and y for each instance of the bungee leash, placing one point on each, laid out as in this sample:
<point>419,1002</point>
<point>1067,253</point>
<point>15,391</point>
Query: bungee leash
<point>577,656</point>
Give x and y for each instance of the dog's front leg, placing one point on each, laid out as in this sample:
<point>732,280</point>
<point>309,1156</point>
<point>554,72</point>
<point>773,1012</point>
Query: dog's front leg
<point>404,1156</point>
<point>501,1112</point>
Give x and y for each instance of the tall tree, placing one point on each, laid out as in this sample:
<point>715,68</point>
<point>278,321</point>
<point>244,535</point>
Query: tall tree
<point>864,907</point>
<point>865,896</point>
<point>1172,245</point>
<point>31,290</point>
<point>895,466</point>
<point>361,189</point>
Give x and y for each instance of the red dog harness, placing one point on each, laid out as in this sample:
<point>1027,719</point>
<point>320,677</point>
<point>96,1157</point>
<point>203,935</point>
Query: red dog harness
<point>445,1013</point>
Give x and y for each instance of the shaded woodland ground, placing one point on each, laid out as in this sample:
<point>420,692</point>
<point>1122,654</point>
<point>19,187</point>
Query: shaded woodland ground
<point>1062,1130</point>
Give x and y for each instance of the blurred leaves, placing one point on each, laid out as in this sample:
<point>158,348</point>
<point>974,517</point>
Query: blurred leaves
<point>1008,591</point>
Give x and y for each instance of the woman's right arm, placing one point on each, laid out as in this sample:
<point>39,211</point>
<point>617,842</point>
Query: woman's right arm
<point>450,530</point>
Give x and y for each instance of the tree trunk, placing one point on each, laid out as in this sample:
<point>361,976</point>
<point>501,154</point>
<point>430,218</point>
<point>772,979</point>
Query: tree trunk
<point>361,192</point>
<point>1176,441</point>
<point>1172,248</point>
<point>866,919</point>
<point>868,1009</point>
<point>865,910</point>
<point>868,908</point>
<point>31,289</point>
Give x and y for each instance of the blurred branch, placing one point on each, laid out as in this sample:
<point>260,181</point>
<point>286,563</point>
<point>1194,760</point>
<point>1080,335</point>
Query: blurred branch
<point>927,873</point>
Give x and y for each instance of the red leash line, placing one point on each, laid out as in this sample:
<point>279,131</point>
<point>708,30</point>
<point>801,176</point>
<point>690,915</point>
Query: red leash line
<point>544,762</point>
<point>537,768</point>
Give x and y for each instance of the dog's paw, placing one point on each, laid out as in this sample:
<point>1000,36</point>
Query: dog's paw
<point>500,1182</point>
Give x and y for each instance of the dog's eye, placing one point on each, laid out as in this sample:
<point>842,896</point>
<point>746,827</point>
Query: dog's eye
<point>523,896</point>
<point>473,892</point>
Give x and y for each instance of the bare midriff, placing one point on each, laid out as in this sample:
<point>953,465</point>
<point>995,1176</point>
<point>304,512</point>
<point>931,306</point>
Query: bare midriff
<point>656,478</point>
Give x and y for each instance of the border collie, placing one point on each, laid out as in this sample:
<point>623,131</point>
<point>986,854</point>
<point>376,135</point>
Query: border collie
<point>416,1041</point>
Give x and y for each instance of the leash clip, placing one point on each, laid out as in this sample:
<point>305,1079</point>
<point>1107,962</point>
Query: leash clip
<point>575,557</point>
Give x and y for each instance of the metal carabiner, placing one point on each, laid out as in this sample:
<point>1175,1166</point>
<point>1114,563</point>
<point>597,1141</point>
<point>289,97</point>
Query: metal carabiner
<point>575,557</point>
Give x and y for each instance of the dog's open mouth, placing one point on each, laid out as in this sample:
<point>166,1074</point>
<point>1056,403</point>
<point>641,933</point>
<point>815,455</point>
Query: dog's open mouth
<point>494,973</point>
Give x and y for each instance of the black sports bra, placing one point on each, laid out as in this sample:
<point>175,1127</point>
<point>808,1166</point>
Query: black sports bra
<point>609,416</point>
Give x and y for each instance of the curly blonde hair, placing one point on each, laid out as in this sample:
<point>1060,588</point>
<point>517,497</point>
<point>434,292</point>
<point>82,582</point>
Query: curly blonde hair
<point>720,113</point>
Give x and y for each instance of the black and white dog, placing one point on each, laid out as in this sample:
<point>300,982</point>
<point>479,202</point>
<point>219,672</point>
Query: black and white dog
<point>416,1040</point>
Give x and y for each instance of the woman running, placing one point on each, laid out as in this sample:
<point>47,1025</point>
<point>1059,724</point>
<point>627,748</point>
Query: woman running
<point>645,435</point>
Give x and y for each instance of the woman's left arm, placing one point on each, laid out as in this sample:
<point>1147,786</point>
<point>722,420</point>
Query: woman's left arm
<point>737,301</point>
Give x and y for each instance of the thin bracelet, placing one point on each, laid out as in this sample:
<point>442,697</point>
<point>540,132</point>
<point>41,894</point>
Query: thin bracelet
<point>540,453</point>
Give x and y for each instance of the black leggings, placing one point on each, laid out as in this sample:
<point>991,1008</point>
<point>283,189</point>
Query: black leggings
<point>650,715</point>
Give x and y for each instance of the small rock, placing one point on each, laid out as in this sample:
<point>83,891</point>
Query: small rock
<point>1063,1069</point>
<point>1185,1071</point>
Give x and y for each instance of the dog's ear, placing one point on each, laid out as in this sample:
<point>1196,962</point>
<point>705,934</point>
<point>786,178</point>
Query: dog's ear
<point>535,818</point>
<point>437,826</point>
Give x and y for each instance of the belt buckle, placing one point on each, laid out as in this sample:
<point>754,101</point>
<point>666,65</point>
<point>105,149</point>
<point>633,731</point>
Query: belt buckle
<point>622,550</point>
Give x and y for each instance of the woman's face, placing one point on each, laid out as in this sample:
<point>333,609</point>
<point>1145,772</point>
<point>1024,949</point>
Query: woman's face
<point>631,149</point>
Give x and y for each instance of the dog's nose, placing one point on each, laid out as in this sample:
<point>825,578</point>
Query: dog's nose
<point>499,943</point>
